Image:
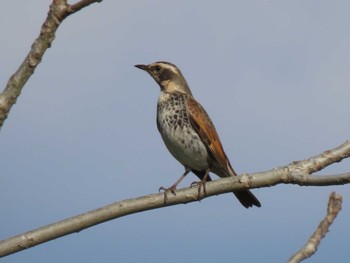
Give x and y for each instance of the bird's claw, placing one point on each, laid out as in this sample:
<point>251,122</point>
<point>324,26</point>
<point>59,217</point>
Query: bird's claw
<point>195,183</point>
<point>201,185</point>
<point>166,190</point>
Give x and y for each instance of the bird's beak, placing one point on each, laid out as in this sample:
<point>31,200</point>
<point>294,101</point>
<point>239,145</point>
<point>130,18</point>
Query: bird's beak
<point>140,66</point>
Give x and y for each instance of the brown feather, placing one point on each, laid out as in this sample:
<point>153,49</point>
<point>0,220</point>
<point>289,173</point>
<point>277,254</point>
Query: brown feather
<point>220,164</point>
<point>207,132</point>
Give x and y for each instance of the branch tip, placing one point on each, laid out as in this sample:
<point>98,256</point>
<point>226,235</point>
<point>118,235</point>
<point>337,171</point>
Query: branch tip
<point>333,208</point>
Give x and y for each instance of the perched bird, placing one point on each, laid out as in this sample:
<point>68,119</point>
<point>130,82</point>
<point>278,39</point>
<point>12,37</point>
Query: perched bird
<point>188,132</point>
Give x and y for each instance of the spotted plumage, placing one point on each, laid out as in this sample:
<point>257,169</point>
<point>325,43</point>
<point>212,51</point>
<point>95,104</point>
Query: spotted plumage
<point>179,137</point>
<point>188,132</point>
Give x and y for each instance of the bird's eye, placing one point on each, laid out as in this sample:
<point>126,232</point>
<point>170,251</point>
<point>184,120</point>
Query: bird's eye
<point>158,68</point>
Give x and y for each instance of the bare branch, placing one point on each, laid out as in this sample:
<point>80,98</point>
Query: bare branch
<point>59,10</point>
<point>334,207</point>
<point>290,174</point>
<point>81,4</point>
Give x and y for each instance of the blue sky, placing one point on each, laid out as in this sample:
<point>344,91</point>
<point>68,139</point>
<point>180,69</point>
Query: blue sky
<point>273,75</point>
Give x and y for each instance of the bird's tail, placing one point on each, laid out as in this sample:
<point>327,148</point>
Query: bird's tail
<point>246,197</point>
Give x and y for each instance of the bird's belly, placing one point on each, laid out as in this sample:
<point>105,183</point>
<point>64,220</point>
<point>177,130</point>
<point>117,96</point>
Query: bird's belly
<point>186,146</point>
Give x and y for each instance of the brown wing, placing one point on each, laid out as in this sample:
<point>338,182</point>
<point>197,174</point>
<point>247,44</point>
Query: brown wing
<point>207,132</point>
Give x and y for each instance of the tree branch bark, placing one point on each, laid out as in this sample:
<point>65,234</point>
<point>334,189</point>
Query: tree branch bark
<point>334,207</point>
<point>59,10</point>
<point>295,173</point>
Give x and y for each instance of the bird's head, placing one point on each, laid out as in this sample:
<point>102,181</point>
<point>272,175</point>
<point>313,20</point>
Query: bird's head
<point>167,75</point>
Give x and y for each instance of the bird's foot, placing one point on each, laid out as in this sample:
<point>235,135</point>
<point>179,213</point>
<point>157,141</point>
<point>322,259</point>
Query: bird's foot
<point>171,189</point>
<point>195,183</point>
<point>201,185</point>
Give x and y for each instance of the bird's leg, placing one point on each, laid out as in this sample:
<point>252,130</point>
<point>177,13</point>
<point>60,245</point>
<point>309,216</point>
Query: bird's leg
<point>172,188</point>
<point>201,184</point>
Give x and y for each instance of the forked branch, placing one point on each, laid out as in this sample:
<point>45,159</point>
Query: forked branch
<point>294,173</point>
<point>59,10</point>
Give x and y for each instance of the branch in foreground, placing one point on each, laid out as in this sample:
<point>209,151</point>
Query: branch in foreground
<point>59,10</point>
<point>334,207</point>
<point>289,174</point>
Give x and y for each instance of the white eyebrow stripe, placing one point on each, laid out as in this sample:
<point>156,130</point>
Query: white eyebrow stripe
<point>169,67</point>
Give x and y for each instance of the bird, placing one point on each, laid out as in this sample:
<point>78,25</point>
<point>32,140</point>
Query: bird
<point>188,132</point>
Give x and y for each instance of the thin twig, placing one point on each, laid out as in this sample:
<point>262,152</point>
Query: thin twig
<point>334,207</point>
<point>81,4</point>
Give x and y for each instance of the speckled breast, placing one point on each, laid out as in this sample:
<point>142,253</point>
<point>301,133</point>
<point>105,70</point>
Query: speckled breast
<point>174,125</point>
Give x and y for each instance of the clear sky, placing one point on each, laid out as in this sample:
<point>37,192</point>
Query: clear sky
<point>274,77</point>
